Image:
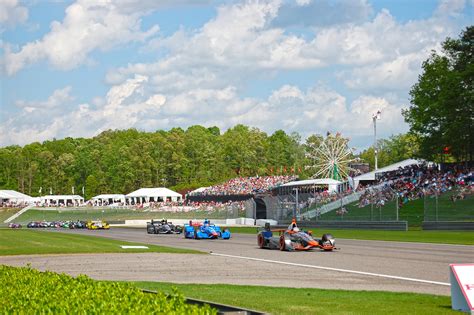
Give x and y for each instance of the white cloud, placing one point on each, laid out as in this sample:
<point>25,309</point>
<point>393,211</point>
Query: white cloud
<point>134,104</point>
<point>450,7</point>
<point>60,97</point>
<point>87,26</point>
<point>303,2</point>
<point>203,72</point>
<point>397,74</point>
<point>12,13</point>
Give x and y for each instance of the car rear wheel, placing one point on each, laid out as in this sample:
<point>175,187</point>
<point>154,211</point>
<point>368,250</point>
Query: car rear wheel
<point>260,240</point>
<point>282,243</point>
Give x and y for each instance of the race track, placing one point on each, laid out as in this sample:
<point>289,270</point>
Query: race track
<point>358,265</point>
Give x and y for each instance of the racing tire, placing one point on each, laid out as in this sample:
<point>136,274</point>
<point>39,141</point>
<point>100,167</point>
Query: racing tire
<point>326,238</point>
<point>196,237</point>
<point>260,241</point>
<point>282,243</point>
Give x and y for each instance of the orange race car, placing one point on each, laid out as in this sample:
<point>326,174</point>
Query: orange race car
<point>293,239</point>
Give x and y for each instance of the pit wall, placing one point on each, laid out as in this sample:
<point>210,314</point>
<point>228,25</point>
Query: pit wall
<point>227,222</point>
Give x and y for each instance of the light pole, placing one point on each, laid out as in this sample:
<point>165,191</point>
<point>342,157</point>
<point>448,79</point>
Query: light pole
<point>375,117</point>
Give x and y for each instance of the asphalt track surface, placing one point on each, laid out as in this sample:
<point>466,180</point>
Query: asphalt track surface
<point>357,265</point>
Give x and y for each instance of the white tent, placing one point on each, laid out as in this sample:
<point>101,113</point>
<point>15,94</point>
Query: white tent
<point>109,198</point>
<point>143,195</point>
<point>13,196</point>
<point>331,183</point>
<point>62,200</point>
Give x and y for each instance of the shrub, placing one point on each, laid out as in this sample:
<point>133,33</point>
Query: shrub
<point>26,290</point>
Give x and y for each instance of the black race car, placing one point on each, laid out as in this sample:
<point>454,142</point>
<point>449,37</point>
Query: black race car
<point>293,238</point>
<point>163,227</point>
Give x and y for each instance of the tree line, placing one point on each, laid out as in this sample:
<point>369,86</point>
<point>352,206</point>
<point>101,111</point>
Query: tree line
<point>121,161</point>
<point>124,160</point>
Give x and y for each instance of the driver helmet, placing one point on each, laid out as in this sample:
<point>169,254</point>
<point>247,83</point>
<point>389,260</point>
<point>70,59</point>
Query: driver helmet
<point>296,229</point>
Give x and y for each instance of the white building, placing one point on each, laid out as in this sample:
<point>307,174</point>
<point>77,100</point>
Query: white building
<point>13,196</point>
<point>145,195</point>
<point>108,199</point>
<point>61,200</point>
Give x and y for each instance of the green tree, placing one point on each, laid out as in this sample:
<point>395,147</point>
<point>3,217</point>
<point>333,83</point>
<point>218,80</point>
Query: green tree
<point>395,149</point>
<point>441,114</point>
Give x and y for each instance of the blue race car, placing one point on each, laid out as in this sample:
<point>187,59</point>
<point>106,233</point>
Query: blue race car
<point>205,230</point>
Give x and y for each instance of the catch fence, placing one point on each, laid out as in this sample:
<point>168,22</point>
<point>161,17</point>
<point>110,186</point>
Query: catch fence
<point>455,205</point>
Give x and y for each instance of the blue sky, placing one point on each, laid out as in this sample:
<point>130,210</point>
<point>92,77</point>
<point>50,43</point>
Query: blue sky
<point>76,68</point>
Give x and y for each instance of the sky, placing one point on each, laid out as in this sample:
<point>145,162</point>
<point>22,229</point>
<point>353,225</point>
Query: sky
<point>77,68</point>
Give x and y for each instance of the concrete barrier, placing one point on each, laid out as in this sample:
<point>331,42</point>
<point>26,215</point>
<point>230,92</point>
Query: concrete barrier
<point>225,222</point>
<point>357,225</point>
<point>261,222</point>
<point>448,226</point>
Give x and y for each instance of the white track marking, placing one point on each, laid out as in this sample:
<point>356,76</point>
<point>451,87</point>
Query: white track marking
<point>401,242</point>
<point>333,269</point>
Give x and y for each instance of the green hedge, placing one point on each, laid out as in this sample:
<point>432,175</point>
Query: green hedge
<point>25,290</point>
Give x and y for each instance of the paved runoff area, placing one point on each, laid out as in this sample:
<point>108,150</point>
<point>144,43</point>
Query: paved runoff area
<point>357,265</point>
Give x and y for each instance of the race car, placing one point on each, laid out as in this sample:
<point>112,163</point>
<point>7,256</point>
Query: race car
<point>14,225</point>
<point>205,230</point>
<point>37,224</point>
<point>163,227</point>
<point>97,225</point>
<point>293,239</point>
<point>78,225</point>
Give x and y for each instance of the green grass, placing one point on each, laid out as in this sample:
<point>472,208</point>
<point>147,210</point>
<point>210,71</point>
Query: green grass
<point>29,242</point>
<point>5,213</point>
<point>112,215</point>
<point>461,210</point>
<point>311,301</point>
<point>413,235</point>
<point>413,211</point>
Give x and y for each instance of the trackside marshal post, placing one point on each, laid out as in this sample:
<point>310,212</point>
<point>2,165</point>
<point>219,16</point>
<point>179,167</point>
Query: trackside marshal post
<point>462,287</point>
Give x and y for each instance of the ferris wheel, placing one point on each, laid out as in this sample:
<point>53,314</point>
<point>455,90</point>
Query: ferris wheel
<point>331,158</point>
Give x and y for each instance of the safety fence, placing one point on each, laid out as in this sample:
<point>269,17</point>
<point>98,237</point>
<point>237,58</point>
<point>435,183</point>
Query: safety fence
<point>456,205</point>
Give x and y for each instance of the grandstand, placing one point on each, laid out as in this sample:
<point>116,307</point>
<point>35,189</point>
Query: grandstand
<point>385,192</point>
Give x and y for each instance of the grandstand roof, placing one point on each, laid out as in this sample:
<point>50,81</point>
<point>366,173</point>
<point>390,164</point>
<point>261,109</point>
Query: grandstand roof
<point>317,181</point>
<point>13,194</point>
<point>198,190</point>
<point>392,167</point>
<point>61,197</point>
<point>154,192</point>
<point>109,196</point>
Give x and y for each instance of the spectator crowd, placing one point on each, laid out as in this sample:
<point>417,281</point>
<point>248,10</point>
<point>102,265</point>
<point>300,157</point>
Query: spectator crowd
<point>416,181</point>
<point>246,185</point>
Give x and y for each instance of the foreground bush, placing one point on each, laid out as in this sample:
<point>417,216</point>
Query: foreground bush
<point>25,290</point>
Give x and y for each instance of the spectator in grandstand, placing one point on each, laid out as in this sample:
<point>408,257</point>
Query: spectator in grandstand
<point>246,185</point>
